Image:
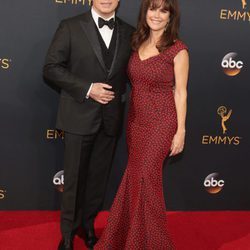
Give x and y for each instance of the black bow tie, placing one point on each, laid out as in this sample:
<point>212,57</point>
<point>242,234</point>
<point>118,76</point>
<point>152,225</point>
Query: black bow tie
<point>110,23</point>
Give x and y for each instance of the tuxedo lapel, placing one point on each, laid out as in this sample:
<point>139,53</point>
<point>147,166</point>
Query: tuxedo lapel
<point>118,41</point>
<point>88,26</point>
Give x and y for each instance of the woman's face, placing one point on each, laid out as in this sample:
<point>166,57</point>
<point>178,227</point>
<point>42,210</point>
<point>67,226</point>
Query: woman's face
<point>157,19</point>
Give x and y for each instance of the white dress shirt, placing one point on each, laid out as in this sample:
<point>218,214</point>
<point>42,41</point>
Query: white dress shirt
<point>105,32</point>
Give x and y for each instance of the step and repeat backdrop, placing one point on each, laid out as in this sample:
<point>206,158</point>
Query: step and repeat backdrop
<point>213,173</point>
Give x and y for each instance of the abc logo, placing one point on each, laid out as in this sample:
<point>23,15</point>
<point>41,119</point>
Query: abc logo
<point>213,183</point>
<point>2,194</point>
<point>4,63</point>
<point>58,180</point>
<point>230,65</point>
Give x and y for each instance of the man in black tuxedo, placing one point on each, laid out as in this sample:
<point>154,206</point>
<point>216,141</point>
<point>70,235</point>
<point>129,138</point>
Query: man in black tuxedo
<point>87,60</point>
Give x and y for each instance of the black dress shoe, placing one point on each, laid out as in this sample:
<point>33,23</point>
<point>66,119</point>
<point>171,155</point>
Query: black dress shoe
<point>90,238</point>
<point>66,244</point>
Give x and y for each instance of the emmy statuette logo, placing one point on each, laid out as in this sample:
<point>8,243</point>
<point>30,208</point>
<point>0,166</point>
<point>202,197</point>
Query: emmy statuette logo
<point>213,183</point>
<point>244,4</point>
<point>230,65</point>
<point>222,112</point>
<point>224,138</point>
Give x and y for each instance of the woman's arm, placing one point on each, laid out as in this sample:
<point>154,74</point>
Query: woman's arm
<point>181,68</point>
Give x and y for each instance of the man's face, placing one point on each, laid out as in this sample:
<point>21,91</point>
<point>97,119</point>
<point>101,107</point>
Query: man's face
<point>105,8</point>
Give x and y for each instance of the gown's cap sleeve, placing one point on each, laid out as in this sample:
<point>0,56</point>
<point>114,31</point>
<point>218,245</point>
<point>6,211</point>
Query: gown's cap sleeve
<point>178,46</point>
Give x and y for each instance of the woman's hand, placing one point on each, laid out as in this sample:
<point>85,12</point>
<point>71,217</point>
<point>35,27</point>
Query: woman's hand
<point>177,143</point>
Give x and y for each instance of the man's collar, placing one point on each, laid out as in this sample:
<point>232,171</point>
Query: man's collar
<point>95,16</point>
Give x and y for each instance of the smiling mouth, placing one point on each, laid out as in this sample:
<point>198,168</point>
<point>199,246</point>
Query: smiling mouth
<point>106,4</point>
<point>155,21</point>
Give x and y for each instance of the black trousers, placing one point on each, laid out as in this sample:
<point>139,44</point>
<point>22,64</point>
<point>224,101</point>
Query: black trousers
<point>87,164</point>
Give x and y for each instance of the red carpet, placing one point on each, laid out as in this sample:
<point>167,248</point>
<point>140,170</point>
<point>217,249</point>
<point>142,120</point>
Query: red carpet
<point>37,230</point>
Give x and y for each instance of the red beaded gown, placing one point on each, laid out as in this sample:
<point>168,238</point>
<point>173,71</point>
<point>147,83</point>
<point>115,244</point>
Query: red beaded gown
<point>137,219</point>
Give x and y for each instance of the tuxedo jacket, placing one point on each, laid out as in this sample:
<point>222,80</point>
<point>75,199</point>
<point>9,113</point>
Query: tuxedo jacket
<point>74,61</point>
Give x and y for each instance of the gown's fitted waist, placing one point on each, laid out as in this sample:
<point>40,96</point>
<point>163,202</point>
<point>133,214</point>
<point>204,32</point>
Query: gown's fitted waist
<point>156,88</point>
<point>147,104</point>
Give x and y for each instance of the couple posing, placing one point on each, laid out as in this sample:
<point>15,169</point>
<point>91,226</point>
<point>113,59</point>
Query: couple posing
<point>90,59</point>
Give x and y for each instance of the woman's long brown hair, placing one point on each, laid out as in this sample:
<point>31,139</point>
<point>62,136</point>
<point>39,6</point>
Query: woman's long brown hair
<point>143,31</point>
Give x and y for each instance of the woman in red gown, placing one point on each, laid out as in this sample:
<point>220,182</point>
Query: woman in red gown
<point>158,70</point>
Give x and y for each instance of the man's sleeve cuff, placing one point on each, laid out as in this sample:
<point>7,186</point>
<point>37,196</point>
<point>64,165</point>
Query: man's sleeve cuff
<point>87,95</point>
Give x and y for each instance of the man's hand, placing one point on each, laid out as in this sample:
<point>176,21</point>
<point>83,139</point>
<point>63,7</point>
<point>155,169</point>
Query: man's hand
<point>101,92</point>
